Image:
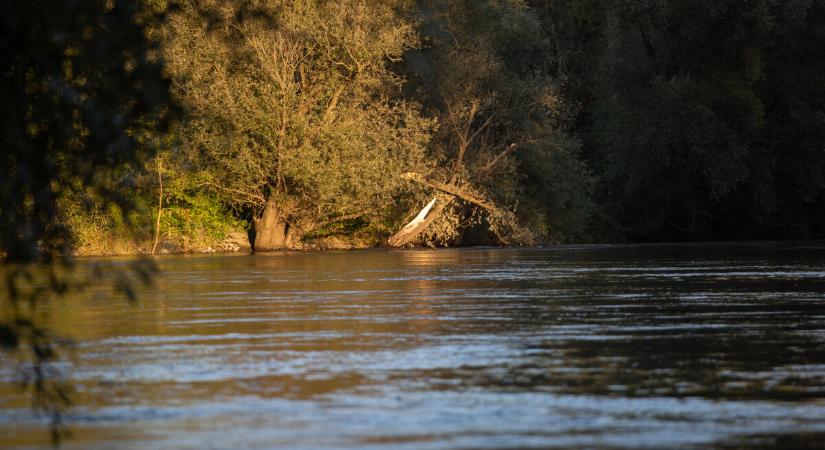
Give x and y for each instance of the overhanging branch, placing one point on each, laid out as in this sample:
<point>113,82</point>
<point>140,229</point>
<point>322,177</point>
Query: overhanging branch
<point>344,217</point>
<point>503,222</point>
<point>453,190</point>
<point>250,198</point>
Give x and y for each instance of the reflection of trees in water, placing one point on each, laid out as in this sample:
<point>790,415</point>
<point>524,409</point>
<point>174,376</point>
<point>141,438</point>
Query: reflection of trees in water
<point>82,97</point>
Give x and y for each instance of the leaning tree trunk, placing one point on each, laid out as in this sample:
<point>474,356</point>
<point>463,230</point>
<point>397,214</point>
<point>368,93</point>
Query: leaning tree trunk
<point>503,222</point>
<point>272,231</point>
<point>424,218</point>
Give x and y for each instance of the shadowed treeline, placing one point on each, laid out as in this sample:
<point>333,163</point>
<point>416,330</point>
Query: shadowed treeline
<point>325,124</point>
<point>701,120</point>
<point>329,124</point>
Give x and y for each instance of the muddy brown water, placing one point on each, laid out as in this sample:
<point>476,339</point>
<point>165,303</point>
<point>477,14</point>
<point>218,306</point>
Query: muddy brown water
<point>657,346</point>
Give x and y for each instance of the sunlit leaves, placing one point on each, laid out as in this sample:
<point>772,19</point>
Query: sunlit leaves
<point>295,101</point>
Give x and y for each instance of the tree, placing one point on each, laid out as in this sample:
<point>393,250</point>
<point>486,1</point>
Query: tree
<point>483,75</point>
<point>294,109</point>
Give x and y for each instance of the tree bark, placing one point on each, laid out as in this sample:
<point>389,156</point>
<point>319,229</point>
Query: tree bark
<point>272,230</point>
<point>425,217</point>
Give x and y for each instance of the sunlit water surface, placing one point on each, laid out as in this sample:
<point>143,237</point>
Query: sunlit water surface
<point>686,346</point>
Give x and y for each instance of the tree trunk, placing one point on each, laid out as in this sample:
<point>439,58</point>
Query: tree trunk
<point>503,222</point>
<point>425,217</point>
<point>272,231</point>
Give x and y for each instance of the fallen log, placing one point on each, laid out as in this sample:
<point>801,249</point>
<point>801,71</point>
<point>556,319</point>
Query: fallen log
<point>463,193</point>
<point>503,222</point>
<point>425,217</point>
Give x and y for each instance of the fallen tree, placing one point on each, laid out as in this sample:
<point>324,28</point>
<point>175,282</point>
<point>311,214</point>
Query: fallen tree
<point>503,222</point>
<point>494,102</point>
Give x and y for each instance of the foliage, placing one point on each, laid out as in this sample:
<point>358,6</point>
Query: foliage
<point>701,120</point>
<point>294,104</point>
<point>574,119</point>
<point>78,95</point>
<point>192,219</point>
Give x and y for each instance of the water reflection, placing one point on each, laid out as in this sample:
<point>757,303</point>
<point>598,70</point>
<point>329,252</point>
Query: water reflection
<point>578,346</point>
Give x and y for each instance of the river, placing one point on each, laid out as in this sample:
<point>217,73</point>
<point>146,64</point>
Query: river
<point>627,346</point>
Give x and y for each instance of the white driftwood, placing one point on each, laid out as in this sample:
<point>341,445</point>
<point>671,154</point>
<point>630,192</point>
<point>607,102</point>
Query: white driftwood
<point>503,222</point>
<point>420,217</point>
<point>421,221</point>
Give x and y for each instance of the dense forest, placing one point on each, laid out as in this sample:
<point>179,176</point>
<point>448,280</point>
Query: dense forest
<point>321,124</point>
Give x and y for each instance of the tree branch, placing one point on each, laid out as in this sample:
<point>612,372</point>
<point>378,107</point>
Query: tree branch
<point>498,157</point>
<point>454,191</point>
<point>344,217</point>
<point>333,102</point>
<point>499,218</point>
<point>160,206</point>
<point>259,200</point>
<point>481,128</point>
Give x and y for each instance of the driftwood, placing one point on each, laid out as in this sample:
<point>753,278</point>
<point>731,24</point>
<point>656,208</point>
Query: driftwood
<point>469,126</point>
<point>503,222</point>
<point>425,217</point>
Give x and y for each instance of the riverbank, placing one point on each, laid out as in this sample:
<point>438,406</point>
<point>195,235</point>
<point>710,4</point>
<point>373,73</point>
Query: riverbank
<point>235,242</point>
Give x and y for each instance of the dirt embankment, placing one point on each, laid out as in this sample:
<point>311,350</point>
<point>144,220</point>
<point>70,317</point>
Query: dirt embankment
<point>236,242</point>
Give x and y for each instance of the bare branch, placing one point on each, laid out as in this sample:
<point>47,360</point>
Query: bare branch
<point>464,140</point>
<point>456,191</point>
<point>258,199</point>
<point>481,128</point>
<point>333,102</point>
<point>499,218</point>
<point>494,161</point>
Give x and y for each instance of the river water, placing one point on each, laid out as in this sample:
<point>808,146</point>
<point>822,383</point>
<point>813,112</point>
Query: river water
<point>680,346</point>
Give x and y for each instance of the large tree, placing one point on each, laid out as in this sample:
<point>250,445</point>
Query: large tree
<point>484,74</point>
<point>294,108</point>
